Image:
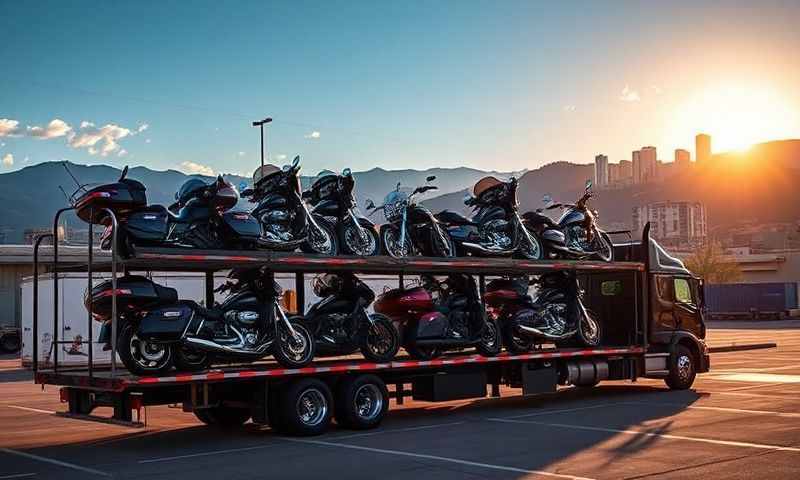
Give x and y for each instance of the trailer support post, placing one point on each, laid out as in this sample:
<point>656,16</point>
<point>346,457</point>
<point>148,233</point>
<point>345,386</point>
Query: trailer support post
<point>300,288</point>
<point>89,273</point>
<point>209,290</point>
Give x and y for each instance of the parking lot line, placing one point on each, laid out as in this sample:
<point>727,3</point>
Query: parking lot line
<point>563,410</point>
<point>29,409</point>
<point>717,409</point>
<point>438,458</point>
<point>54,462</point>
<point>206,454</point>
<point>730,443</point>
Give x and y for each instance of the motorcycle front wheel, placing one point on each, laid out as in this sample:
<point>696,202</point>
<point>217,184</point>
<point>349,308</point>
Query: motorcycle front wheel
<point>530,249</point>
<point>322,241</point>
<point>603,248</point>
<point>591,330</point>
<point>353,243</point>
<point>294,351</point>
<point>442,246</point>
<point>391,243</point>
<point>381,340</point>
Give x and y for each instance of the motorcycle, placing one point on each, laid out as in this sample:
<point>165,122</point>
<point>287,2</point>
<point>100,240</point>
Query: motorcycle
<point>157,331</point>
<point>576,234</point>
<point>496,229</point>
<point>441,315</point>
<point>201,217</point>
<point>340,322</point>
<point>411,228</point>
<point>331,196</point>
<point>556,315</point>
<point>284,216</point>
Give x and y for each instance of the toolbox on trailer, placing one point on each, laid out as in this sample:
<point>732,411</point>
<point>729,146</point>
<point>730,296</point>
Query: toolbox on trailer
<point>650,305</point>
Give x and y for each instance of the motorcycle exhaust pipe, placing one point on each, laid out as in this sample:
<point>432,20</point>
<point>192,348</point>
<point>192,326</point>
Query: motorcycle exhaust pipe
<point>537,332</point>
<point>585,373</point>
<point>211,346</point>
<point>484,250</point>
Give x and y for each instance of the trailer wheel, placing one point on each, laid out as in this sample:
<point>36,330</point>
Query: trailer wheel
<point>305,407</point>
<point>682,369</point>
<point>223,416</point>
<point>10,343</point>
<point>361,402</point>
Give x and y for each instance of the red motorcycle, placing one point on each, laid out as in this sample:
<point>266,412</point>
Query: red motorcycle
<point>441,315</point>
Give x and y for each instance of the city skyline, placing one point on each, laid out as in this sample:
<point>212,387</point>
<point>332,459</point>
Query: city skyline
<point>413,85</point>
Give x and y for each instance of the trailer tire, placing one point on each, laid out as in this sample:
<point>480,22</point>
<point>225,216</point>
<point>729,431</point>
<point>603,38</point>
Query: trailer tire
<point>361,402</point>
<point>305,407</point>
<point>223,416</point>
<point>682,369</point>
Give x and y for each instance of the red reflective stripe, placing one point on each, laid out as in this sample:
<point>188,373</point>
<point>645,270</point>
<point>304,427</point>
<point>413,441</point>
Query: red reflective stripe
<point>248,374</point>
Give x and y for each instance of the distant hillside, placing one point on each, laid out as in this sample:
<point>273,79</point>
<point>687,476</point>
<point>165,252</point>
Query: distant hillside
<point>31,195</point>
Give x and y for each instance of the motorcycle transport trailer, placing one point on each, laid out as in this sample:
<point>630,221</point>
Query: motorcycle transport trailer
<point>650,306</point>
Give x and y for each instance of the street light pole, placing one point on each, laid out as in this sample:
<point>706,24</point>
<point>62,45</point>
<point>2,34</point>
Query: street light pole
<point>260,123</point>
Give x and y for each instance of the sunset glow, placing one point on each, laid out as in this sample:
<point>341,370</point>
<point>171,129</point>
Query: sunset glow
<point>736,117</point>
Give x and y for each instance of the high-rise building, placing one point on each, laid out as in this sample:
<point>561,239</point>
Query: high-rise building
<point>601,170</point>
<point>674,224</point>
<point>613,173</point>
<point>682,158</point>
<point>625,170</point>
<point>702,148</point>
<point>636,161</point>
<point>649,164</point>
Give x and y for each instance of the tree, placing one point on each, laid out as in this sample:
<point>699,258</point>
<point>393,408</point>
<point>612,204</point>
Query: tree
<point>708,261</point>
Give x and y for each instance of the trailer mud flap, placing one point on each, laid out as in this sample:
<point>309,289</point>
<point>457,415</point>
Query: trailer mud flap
<point>443,387</point>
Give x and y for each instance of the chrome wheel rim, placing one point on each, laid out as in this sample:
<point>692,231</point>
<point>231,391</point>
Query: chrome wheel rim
<point>604,248</point>
<point>391,239</point>
<point>294,346</point>
<point>147,354</point>
<point>532,250</point>
<point>368,401</point>
<point>321,241</point>
<point>590,330</point>
<point>684,364</point>
<point>379,339</point>
<point>312,407</point>
<point>359,244</point>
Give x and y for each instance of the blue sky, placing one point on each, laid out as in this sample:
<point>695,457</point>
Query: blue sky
<point>493,85</point>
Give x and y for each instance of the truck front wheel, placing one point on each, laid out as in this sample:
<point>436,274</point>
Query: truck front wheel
<point>682,369</point>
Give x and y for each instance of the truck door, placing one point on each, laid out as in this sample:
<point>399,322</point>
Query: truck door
<point>686,309</point>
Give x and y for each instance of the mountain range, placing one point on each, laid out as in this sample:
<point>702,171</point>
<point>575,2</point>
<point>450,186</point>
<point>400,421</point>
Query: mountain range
<point>758,185</point>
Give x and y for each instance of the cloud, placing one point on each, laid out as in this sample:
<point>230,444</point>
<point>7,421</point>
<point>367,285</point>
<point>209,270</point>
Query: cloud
<point>142,128</point>
<point>146,140</point>
<point>8,160</point>
<point>191,167</point>
<point>629,95</point>
<point>56,128</point>
<point>569,108</point>
<point>103,140</point>
<point>313,135</point>
<point>9,128</point>
<point>122,152</point>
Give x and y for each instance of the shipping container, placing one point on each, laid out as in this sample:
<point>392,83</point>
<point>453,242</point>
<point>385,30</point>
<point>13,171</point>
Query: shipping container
<point>748,297</point>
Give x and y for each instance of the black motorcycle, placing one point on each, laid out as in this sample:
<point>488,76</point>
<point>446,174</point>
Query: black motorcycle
<point>576,234</point>
<point>496,229</point>
<point>201,217</point>
<point>556,315</point>
<point>157,331</point>
<point>441,315</point>
<point>284,216</point>
<point>332,197</point>
<point>411,229</point>
<point>340,321</point>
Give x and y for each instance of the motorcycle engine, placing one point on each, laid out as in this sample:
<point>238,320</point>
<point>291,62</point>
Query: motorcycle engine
<point>577,238</point>
<point>495,234</point>
<point>245,324</point>
<point>278,224</point>
<point>335,328</point>
<point>554,318</point>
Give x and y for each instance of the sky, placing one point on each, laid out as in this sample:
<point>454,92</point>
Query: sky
<point>492,85</point>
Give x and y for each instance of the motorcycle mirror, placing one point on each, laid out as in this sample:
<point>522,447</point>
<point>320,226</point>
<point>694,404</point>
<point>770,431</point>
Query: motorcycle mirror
<point>296,161</point>
<point>346,172</point>
<point>369,204</point>
<point>588,184</point>
<point>430,178</point>
<point>397,187</point>
<point>124,173</point>
<point>286,168</point>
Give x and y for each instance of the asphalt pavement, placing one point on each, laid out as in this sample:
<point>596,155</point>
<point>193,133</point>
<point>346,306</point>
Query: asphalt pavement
<point>741,420</point>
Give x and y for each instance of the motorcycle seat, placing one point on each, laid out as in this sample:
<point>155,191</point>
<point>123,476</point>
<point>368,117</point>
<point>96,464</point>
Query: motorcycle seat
<point>450,217</point>
<point>211,314</point>
<point>165,294</point>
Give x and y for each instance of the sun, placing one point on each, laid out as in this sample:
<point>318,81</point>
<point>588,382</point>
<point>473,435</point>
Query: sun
<point>736,117</point>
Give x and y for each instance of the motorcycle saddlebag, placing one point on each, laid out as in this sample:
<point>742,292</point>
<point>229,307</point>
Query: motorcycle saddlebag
<point>120,197</point>
<point>149,224</point>
<point>166,324</point>
<point>432,325</point>
<point>243,224</point>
